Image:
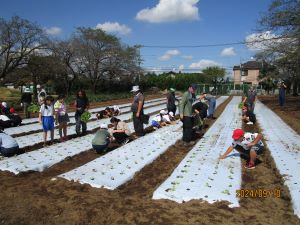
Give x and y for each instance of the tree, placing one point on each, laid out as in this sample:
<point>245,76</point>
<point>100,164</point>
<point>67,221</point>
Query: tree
<point>283,19</point>
<point>93,47</point>
<point>19,38</point>
<point>216,73</point>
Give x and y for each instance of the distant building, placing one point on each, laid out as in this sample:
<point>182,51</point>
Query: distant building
<point>247,73</point>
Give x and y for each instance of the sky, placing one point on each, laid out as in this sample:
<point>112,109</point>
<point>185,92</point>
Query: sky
<point>164,27</point>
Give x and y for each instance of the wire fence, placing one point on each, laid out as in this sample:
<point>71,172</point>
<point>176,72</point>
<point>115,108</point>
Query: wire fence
<point>227,89</point>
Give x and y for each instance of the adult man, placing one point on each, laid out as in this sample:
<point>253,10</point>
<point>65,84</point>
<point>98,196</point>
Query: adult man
<point>282,88</point>
<point>249,144</point>
<point>185,111</point>
<point>251,99</point>
<point>26,100</point>
<point>137,109</point>
<point>171,106</point>
<point>211,104</point>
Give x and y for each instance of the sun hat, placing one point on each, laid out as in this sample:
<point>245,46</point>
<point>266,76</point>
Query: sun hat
<point>163,112</point>
<point>172,90</point>
<point>135,88</point>
<point>103,126</point>
<point>4,104</point>
<point>237,134</point>
<point>171,114</point>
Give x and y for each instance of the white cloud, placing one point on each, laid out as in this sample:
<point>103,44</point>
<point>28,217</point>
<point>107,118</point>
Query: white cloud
<point>53,31</point>
<point>228,52</point>
<point>188,57</point>
<point>170,11</point>
<point>114,28</point>
<point>181,67</point>
<point>203,63</point>
<point>261,41</point>
<point>169,54</point>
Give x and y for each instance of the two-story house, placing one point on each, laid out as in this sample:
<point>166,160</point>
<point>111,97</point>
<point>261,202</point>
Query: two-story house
<point>247,73</point>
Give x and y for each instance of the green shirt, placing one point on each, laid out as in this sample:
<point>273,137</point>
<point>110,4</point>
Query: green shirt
<point>101,137</point>
<point>185,105</point>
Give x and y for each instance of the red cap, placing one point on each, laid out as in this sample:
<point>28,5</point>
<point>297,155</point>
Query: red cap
<point>237,134</point>
<point>12,110</point>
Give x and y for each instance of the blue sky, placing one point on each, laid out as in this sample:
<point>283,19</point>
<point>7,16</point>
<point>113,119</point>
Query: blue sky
<point>156,22</point>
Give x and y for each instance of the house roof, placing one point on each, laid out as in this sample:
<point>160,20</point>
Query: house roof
<point>250,65</point>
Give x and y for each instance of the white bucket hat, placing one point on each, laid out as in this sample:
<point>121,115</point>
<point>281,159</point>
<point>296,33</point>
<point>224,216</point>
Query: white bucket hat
<point>163,112</point>
<point>4,104</point>
<point>103,126</point>
<point>171,114</point>
<point>135,89</point>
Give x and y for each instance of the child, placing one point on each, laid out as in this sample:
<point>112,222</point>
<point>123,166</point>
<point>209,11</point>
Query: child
<point>248,144</point>
<point>101,139</point>
<point>8,145</point>
<point>248,116</point>
<point>61,117</point>
<point>46,118</point>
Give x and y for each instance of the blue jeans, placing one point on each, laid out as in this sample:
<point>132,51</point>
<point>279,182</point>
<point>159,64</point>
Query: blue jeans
<point>8,152</point>
<point>212,107</point>
<point>100,148</point>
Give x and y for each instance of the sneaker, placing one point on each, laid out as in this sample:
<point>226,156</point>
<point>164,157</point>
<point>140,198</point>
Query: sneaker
<point>250,166</point>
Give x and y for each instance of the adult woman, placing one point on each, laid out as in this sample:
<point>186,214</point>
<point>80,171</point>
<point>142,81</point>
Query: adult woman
<point>82,105</point>
<point>120,130</point>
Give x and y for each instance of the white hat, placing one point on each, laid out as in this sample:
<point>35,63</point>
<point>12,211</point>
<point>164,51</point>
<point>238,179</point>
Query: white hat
<point>103,126</point>
<point>4,104</point>
<point>38,86</point>
<point>171,114</point>
<point>135,89</point>
<point>163,112</point>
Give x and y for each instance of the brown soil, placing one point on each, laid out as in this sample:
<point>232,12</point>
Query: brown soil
<point>32,198</point>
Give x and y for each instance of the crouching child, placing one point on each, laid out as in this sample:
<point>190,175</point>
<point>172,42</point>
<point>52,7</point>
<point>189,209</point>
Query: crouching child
<point>8,145</point>
<point>249,144</point>
<point>101,139</point>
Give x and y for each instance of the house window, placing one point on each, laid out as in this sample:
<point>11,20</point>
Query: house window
<point>244,73</point>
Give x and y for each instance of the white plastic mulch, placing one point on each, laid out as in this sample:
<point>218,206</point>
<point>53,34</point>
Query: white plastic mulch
<point>284,145</point>
<point>201,175</point>
<point>44,158</point>
<point>117,167</point>
<point>36,126</point>
<point>32,139</point>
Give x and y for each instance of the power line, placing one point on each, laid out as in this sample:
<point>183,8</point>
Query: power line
<point>214,45</point>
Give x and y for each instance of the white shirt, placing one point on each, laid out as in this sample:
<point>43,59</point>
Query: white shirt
<point>248,138</point>
<point>4,118</point>
<point>166,118</point>
<point>157,118</point>
<point>7,141</point>
<point>46,111</point>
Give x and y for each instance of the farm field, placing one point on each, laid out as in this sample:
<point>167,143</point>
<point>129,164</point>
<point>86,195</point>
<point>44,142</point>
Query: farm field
<point>37,198</point>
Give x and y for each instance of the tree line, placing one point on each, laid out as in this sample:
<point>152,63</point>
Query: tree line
<point>280,57</point>
<point>90,58</point>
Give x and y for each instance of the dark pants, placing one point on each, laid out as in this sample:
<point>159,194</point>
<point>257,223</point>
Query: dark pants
<point>187,128</point>
<point>281,99</point>
<point>8,152</point>
<point>79,123</point>
<point>120,137</point>
<point>100,148</point>
<point>138,125</point>
<point>172,109</point>
<point>26,112</point>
